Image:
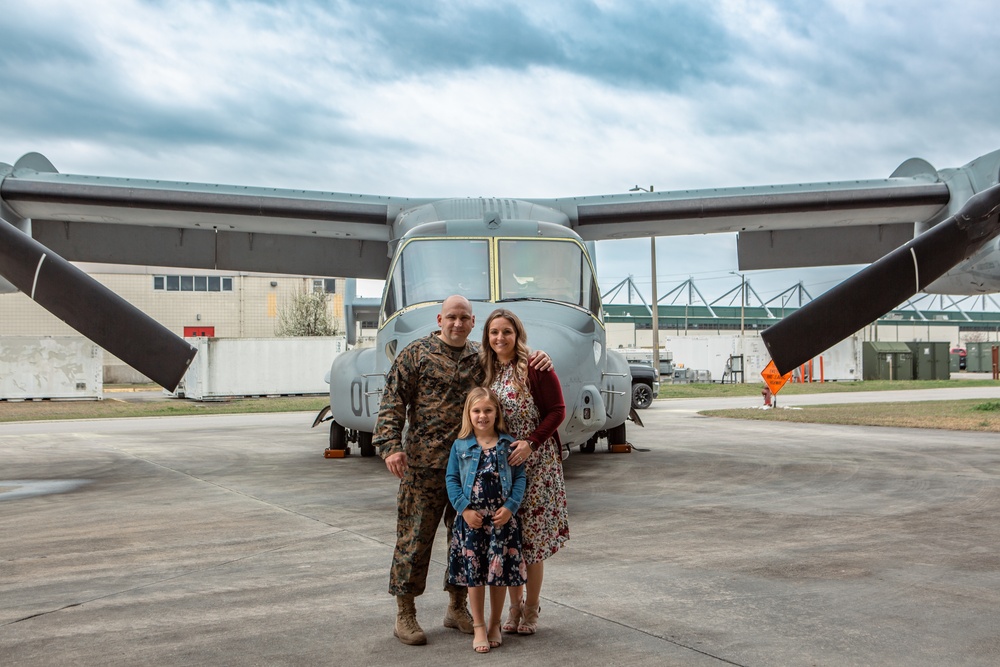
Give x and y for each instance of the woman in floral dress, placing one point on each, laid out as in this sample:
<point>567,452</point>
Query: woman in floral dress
<point>533,409</point>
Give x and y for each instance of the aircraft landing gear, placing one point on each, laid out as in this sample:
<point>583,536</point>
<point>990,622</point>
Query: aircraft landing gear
<point>340,437</point>
<point>338,442</point>
<point>365,444</point>
<point>617,441</point>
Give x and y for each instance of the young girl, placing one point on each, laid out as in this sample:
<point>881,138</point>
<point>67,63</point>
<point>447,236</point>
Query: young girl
<point>486,492</point>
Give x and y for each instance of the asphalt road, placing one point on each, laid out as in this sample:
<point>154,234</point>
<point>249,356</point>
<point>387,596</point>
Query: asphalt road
<point>230,540</point>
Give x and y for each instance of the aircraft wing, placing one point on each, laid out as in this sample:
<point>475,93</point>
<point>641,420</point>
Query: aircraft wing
<point>778,226</point>
<point>159,223</point>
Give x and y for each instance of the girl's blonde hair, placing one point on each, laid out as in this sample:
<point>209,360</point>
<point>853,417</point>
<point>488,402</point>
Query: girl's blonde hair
<point>476,395</point>
<point>491,363</point>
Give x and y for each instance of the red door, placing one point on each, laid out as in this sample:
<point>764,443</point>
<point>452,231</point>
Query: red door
<point>199,332</point>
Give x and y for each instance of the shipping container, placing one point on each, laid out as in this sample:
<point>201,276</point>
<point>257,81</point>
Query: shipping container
<point>33,367</point>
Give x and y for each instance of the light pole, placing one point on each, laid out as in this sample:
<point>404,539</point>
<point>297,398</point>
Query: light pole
<point>743,303</point>
<point>743,299</point>
<point>655,313</point>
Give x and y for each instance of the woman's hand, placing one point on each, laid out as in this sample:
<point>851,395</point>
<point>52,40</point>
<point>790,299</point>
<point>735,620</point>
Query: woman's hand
<point>473,518</point>
<point>501,516</point>
<point>520,451</point>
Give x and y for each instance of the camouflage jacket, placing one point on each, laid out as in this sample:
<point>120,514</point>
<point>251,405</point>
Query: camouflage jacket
<point>425,390</point>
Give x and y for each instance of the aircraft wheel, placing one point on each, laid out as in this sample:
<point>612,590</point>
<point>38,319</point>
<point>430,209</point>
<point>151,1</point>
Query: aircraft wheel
<point>338,436</point>
<point>365,444</point>
<point>616,435</point>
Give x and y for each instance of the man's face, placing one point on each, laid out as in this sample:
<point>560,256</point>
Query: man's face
<point>456,321</point>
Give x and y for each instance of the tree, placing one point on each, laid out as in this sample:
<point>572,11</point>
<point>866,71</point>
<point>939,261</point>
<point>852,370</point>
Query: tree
<point>306,314</point>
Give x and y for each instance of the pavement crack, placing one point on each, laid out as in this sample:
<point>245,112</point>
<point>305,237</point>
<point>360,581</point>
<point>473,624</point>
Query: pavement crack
<point>646,632</point>
<point>229,489</point>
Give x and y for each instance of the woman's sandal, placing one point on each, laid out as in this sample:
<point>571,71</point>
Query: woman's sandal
<point>477,646</point>
<point>513,618</point>
<point>529,621</point>
<point>494,639</point>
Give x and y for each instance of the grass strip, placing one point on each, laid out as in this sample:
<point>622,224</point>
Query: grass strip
<point>957,415</point>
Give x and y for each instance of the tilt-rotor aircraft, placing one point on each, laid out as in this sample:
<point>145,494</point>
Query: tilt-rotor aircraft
<point>924,229</point>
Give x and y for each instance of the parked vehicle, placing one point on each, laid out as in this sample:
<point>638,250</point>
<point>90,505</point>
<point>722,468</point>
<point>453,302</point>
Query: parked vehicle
<point>645,385</point>
<point>961,352</point>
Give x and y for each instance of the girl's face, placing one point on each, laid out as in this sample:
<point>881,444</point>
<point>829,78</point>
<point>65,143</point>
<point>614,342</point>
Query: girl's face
<point>483,415</point>
<point>503,338</point>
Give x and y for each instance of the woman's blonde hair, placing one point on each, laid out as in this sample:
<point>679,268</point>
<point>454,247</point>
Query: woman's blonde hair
<point>488,358</point>
<point>475,395</point>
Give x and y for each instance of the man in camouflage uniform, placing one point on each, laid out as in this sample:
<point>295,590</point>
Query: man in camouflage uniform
<point>426,388</point>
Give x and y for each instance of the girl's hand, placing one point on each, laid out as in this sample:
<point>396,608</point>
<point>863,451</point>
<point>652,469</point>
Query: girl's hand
<point>519,453</point>
<point>473,518</point>
<point>501,516</point>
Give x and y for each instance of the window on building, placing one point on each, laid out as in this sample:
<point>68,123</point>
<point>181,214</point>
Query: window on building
<point>193,283</point>
<point>327,285</point>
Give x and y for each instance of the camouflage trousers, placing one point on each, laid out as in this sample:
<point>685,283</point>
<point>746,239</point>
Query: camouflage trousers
<point>420,503</point>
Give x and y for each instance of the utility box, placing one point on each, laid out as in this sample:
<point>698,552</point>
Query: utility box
<point>33,367</point>
<point>931,361</point>
<point>884,360</point>
<point>979,357</point>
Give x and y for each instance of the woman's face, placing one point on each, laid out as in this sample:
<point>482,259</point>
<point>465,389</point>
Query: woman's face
<point>503,338</point>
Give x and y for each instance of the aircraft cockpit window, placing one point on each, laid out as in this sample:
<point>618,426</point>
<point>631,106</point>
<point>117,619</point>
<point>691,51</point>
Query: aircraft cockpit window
<point>433,269</point>
<point>551,270</point>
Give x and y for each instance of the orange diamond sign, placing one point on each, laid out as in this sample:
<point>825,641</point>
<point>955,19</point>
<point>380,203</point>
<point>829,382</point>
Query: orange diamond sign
<point>773,378</point>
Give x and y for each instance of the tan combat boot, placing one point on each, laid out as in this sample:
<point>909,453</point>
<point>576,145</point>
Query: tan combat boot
<point>407,628</point>
<point>458,615</point>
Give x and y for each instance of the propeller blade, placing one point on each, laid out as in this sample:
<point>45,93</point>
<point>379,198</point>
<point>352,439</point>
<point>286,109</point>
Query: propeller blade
<point>877,289</point>
<point>93,309</point>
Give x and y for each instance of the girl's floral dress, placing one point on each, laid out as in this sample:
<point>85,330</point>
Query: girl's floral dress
<point>487,556</point>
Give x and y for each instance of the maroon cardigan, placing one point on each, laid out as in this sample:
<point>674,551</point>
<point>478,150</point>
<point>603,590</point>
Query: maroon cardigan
<point>547,393</point>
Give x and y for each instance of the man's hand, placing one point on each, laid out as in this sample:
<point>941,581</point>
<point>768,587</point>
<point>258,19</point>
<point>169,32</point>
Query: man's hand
<point>397,464</point>
<point>540,361</point>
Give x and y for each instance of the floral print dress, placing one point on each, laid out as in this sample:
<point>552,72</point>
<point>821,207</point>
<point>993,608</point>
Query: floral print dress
<point>543,513</point>
<point>491,555</point>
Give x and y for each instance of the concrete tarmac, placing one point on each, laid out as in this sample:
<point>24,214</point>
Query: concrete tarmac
<point>230,540</point>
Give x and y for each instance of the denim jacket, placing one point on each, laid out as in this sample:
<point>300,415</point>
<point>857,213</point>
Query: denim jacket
<point>463,464</point>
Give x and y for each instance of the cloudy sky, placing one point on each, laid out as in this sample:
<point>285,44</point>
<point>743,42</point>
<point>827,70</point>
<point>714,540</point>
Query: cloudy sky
<point>493,98</point>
